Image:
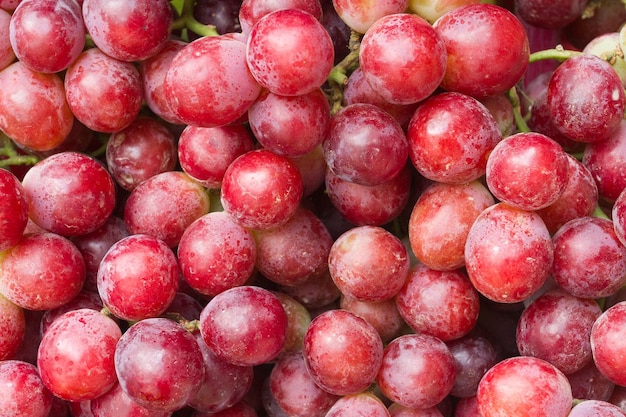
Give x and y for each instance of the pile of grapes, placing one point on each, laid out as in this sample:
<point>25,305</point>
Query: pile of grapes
<point>312,208</point>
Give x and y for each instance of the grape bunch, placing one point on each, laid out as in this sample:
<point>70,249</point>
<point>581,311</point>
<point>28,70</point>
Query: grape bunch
<point>312,208</point>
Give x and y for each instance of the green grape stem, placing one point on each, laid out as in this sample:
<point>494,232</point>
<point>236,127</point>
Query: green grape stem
<point>187,21</point>
<point>9,155</point>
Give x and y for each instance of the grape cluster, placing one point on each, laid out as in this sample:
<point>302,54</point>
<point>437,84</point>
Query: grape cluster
<point>312,208</point>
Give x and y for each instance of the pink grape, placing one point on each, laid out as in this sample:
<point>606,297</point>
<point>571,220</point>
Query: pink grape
<point>289,52</point>
<point>382,315</point>
<point>410,45</point>
<point>225,87</point>
<point>76,353</point>
<point>30,95</point>
<point>84,299</point>
<point>426,381</point>
<point>312,167</point>
<point>443,304</point>
<point>315,293</point>
<point>69,193</point>
<point>215,254</point>
<point>508,253</point>
<point>365,145</point>
<point>14,209</point>
<point>47,35</point>
<point>131,31</point>
<point>245,325</point>
<point>41,272</point>
<point>138,277</point>
<point>397,410</point>
<point>141,150</point>
<point>261,189</point>
<point>164,205</point>
<point>148,360</point>
<point>527,170</point>
<point>450,137</point>
<point>22,390</point>
<point>298,320</point>
<point>118,80</point>
<point>546,391</point>
<point>342,352</point>
<point>487,49</point>
<point>593,408</point>
<point>368,263</point>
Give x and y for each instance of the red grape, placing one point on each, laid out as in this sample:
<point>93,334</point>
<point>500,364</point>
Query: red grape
<point>312,167</point>
<point>116,402</point>
<point>7,55</point>
<point>94,75</point>
<point>69,193</point>
<point>245,325</point>
<point>42,271</point>
<point>225,86</point>
<point>450,137</point>
<point>579,198</point>
<point>473,356</point>
<point>28,95</point>
<point>206,152</point>
<point>550,15</point>
<point>589,383</point>
<point>315,293</point>
<point>261,189</point>
<point>128,31</point>
<point>408,44</point>
<point>84,299</point>
<point>595,408</point>
<point>589,259</point>
<point>289,52</point>
<point>290,125</point>
<point>417,371</point>
<point>360,15</point>
<point>215,254</point>
<point>12,328</point>
<point>164,206</point>
<point>382,315</point>
<point>295,251</point>
<point>22,392</point>
<point>440,221</point>
<point>397,410</point>
<point>487,49</point>
<point>443,304</point>
<point>432,10</point>
<point>607,343</point>
<point>508,253</point>
<point>159,364</point>
<point>342,352</point>
<point>252,11</point>
<point>75,356</point>
<point>47,35</point>
<point>374,205</point>
<point>368,263</point>
<point>556,327</point>
<point>524,386</point>
<point>141,150</point>
<point>14,209</point>
<point>295,391</point>
<point>586,98</point>
<point>363,403</point>
<point>365,145</point>
<point>138,277</point>
<point>224,384</point>
<point>527,170</point>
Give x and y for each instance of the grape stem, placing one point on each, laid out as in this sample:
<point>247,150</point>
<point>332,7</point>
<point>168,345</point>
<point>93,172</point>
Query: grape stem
<point>187,21</point>
<point>9,155</point>
<point>520,122</point>
<point>558,53</point>
<point>338,77</point>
